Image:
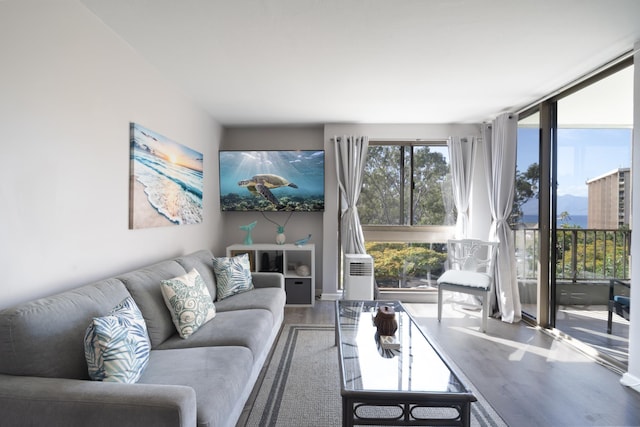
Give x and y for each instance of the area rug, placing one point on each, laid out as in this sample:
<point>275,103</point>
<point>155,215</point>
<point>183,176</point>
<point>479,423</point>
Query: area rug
<point>301,384</point>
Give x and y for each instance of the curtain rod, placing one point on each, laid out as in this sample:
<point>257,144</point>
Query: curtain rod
<point>626,55</point>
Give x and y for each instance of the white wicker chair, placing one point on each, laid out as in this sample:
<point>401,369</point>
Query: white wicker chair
<point>470,271</point>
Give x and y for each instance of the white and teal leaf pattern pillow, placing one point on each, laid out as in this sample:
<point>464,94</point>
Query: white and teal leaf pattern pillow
<point>117,346</point>
<point>189,302</point>
<point>233,275</point>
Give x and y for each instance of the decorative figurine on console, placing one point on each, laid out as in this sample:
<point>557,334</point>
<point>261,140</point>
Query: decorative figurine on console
<point>303,241</point>
<point>303,270</point>
<point>280,237</point>
<point>247,239</point>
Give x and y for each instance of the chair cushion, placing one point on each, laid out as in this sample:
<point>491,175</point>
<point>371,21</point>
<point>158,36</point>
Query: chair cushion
<point>466,278</point>
<point>622,300</point>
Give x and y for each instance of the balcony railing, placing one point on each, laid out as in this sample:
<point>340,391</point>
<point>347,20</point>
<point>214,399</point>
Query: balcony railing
<point>583,255</point>
<point>585,262</point>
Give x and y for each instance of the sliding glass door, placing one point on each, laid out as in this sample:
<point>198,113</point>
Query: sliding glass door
<point>572,210</point>
<point>525,218</point>
<point>593,194</point>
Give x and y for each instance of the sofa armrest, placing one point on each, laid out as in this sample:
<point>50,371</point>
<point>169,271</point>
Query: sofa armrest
<point>67,402</point>
<point>264,279</point>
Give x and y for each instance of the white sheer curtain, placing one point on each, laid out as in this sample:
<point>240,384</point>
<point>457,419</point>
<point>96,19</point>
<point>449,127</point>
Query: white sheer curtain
<point>499,144</point>
<point>462,152</point>
<point>351,155</point>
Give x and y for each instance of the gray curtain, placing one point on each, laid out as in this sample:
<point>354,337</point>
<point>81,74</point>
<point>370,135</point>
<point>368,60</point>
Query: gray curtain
<point>351,155</point>
<point>499,144</point>
<point>462,152</point>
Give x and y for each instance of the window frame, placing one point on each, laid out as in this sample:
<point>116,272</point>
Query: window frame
<point>408,233</point>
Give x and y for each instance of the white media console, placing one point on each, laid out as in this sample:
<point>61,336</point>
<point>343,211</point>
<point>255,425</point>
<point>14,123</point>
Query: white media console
<point>287,259</point>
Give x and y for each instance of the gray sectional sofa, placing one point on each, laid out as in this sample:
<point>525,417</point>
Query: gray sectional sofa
<point>203,380</point>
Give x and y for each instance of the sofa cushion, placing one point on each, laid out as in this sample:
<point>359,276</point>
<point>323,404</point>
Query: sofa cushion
<point>233,275</point>
<point>44,337</point>
<point>272,299</point>
<point>144,286</point>
<point>218,375</point>
<point>244,328</point>
<point>201,261</point>
<point>117,346</point>
<point>188,301</point>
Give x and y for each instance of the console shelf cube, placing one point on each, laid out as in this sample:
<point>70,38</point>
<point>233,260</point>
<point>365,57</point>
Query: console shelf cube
<point>286,259</point>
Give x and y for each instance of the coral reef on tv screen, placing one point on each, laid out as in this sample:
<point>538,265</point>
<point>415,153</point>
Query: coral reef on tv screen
<point>272,180</point>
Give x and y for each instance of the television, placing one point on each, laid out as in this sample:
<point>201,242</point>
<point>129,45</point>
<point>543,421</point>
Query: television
<point>272,180</point>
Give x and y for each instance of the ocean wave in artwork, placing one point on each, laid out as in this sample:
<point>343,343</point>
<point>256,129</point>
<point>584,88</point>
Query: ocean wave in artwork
<point>173,190</point>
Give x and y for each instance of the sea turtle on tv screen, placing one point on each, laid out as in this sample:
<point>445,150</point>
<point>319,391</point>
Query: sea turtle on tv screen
<point>263,183</point>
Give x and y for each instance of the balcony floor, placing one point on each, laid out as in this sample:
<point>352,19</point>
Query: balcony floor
<point>588,325</point>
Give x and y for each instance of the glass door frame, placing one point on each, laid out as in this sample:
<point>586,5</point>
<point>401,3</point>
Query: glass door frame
<point>547,196</point>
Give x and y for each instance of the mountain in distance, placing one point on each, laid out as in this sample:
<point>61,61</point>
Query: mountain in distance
<point>574,205</point>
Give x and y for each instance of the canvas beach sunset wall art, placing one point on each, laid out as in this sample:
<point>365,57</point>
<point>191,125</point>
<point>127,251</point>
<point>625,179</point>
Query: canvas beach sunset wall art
<point>166,181</point>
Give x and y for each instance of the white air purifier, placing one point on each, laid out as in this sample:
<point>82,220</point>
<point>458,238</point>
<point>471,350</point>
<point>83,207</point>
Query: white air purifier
<point>358,277</point>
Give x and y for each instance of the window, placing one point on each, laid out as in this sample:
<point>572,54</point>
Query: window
<point>407,211</point>
<point>407,184</point>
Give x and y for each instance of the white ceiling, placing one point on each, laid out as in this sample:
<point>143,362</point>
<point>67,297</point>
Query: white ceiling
<point>262,62</point>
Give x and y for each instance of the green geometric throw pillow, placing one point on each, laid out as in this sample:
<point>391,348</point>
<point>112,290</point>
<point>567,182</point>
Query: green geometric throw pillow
<point>233,275</point>
<point>117,346</point>
<point>189,302</point>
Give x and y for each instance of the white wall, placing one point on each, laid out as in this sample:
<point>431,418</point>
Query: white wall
<point>301,223</point>
<point>373,131</point>
<point>68,89</point>
<point>632,377</point>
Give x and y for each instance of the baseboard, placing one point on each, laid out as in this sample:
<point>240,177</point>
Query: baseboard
<point>630,381</point>
<point>406,295</point>
<point>331,297</point>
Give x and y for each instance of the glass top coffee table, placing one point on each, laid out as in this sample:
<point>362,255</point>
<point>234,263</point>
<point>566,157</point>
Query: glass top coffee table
<point>408,385</point>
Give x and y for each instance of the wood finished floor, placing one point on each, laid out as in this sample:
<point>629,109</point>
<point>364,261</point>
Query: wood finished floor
<point>530,378</point>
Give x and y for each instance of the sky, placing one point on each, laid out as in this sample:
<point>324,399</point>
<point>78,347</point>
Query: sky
<point>174,152</point>
<point>583,154</point>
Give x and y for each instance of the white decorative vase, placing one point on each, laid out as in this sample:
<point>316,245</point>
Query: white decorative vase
<point>280,237</point>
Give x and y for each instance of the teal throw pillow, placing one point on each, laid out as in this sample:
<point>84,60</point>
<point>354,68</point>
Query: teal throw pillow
<point>189,302</point>
<point>233,275</point>
<point>117,346</point>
